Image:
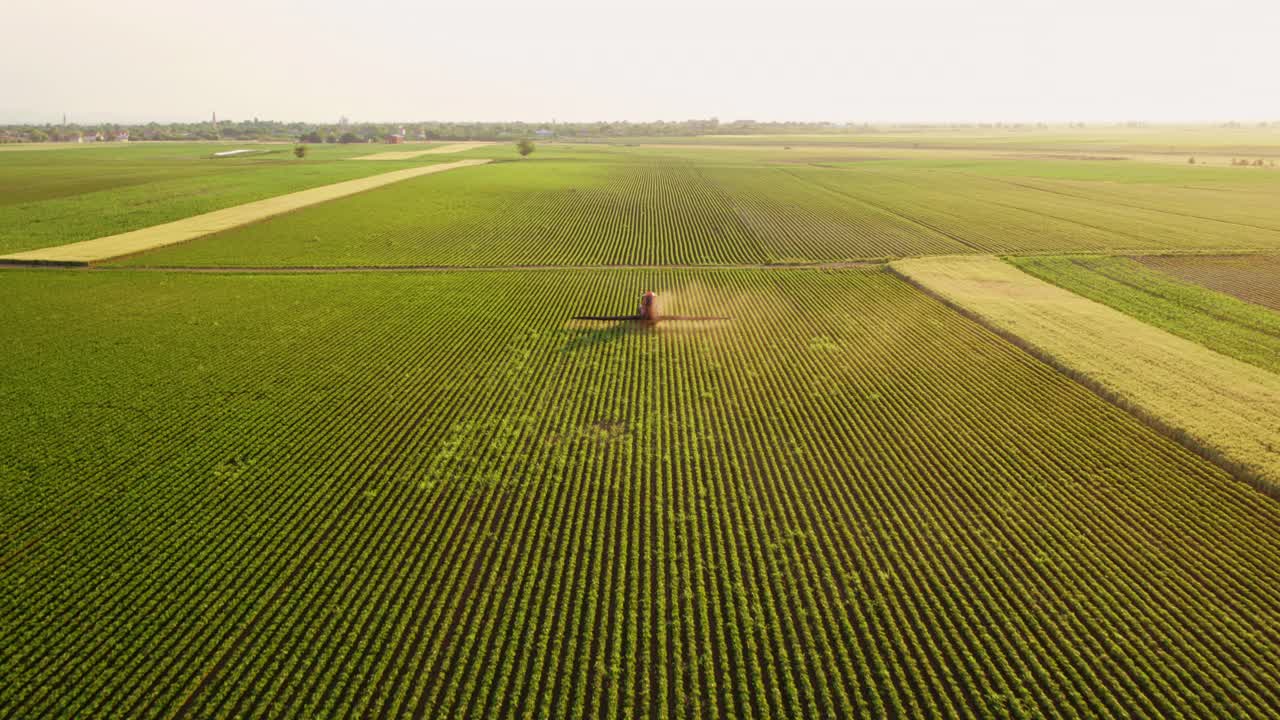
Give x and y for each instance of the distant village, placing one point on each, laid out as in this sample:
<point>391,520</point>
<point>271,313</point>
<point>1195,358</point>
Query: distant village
<point>346,131</point>
<point>96,136</point>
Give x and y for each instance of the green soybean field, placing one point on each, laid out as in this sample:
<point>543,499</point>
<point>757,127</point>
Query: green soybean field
<point>434,494</point>
<point>599,207</point>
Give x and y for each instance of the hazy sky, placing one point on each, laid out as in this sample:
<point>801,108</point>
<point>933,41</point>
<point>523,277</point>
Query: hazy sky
<point>859,60</point>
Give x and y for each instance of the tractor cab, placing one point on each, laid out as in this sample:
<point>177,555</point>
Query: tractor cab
<point>648,314</point>
<point>648,308</point>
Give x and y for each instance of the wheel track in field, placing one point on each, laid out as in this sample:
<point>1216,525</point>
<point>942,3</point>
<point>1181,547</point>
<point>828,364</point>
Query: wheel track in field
<point>326,270</point>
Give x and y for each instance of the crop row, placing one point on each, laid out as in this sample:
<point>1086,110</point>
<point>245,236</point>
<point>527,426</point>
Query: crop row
<point>1013,214</point>
<point>669,210</point>
<point>654,211</point>
<point>423,494</point>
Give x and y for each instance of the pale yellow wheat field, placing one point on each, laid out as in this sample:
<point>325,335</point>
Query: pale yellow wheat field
<point>1228,408</point>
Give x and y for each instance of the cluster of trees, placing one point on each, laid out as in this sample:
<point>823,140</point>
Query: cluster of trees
<point>208,130</point>
<point>320,136</point>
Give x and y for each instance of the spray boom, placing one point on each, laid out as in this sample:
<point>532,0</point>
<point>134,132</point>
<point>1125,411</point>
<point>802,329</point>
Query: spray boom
<point>649,314</point>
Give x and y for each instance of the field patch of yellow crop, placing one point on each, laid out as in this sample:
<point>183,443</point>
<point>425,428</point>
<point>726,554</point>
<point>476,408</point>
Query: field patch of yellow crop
<point>1227,408</point>
<point>113,246</point>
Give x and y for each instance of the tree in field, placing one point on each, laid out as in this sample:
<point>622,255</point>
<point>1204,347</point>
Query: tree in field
<point>348,137</point>
<point>525,147</point>
<point>300,151</point>
<point>1191,161</point>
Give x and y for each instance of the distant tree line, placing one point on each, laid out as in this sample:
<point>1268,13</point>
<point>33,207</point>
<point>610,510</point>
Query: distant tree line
<point>356,132</point>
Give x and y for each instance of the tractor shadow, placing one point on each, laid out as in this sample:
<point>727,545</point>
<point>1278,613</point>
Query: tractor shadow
<point>585,338</point>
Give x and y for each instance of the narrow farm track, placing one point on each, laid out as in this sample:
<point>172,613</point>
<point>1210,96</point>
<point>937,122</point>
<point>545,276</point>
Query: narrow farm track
<point>421,494</point>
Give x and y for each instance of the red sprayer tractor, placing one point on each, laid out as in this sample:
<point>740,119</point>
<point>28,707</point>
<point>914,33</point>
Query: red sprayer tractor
<point>648,313</point>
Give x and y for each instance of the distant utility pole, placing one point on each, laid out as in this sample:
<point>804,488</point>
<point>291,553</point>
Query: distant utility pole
<point>64,119</point>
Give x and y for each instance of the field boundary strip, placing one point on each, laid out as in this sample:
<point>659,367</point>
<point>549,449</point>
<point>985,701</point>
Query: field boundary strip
<point>411,154</point>
<point>297,269</point>
<point>178,231</point>
<point>1223,409</point>
<point>1221,322</point>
